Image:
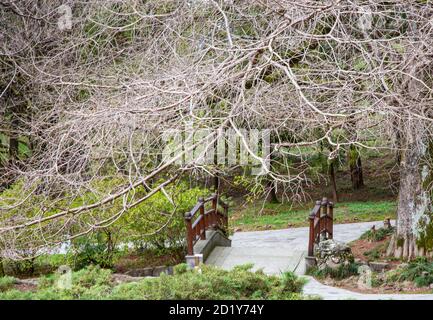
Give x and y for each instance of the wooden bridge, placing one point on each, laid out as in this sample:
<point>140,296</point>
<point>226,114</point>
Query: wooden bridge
<point>272,250</point>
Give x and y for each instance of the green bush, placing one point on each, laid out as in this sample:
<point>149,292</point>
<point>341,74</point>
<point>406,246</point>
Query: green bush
<point>91,250</point>
<point>6,283</point>
<point>143,222</point>
<point>206,282</point>
<point>156,224</point>
<point>213,283</point>
<point>419,271</point>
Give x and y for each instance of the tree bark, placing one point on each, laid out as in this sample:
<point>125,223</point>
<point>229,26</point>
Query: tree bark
<point>355,164</point>
<point>272,192</point>
<point>2,270</point>
<point>414,234</point>
<point>333,182</point>
<point>216,183</point>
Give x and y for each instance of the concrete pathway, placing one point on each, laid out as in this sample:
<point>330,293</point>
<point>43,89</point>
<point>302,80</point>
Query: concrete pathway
<point>276,251</point>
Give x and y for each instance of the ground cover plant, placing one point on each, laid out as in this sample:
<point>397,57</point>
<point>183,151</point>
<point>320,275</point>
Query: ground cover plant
<point>206,282</point>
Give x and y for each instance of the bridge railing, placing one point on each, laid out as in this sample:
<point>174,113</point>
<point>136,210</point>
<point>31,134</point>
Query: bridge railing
<point>198,220</point>
<point>321,223</point>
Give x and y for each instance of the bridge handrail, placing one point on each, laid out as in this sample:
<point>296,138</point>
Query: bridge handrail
<point>321,223</point>
<point>213,218</point>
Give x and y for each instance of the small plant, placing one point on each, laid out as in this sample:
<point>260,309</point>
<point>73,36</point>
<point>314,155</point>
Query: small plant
<point>181,268</point>
<point>380,234</point>
<point>377,252</point>
<point>6,283</point>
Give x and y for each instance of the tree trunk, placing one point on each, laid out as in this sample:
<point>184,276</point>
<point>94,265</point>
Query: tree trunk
<point>414,234</point>
<point>333,182</point>
<point>355,164</point>
<point>272,192</point>
<point>2,270</point>
<point>216,183</point>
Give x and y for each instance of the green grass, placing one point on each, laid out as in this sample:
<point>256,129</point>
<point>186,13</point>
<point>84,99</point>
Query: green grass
<point>280,216</point>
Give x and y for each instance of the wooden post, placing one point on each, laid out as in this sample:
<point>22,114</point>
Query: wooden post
<point>213,221</point>
<point>202,224</point>
<point>226,218</point>
<point>319,222</point>
<point>331,216</point>
<point>189,237</point>
<point>311,237</point>
<point>325,226</point>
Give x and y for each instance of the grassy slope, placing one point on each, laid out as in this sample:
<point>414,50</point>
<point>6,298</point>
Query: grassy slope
<point>279,216</point>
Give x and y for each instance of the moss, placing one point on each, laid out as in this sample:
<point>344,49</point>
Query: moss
<point>400,242</point>
<point>425,239</point>
<point>272,77</point>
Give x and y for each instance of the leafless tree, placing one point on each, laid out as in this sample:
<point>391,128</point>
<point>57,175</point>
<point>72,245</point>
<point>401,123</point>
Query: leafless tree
<point>102,94</point>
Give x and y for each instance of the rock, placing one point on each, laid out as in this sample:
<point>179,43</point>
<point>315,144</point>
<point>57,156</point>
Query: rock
<point>360,262</point>
<point>150,272</point>
<point>378,266</point>
<point>30,282</point>
<point>141,272</point>
<point>332,253</point>
<point>123,278</point>
<point>402,265</point>
<point>158,270</point>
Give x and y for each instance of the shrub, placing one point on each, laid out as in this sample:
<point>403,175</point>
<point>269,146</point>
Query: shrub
<point>6,283</point>
<point>419,271</point>
<point>206,282</point>
<point>92,250</point>
<point>143,222</point>
<point>209,282</point>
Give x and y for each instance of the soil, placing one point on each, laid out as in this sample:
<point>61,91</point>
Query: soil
<point>26,287</point>
<point>360,247</point>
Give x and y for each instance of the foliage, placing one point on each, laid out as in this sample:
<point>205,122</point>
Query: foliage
<point>91,250</point>
<point>205,282</point>
<point>341,272</point>
<point>159,223</point>
<point>380,234</point>
<point>420,271</point>
<point>155,224</point>
<point>6,283</point>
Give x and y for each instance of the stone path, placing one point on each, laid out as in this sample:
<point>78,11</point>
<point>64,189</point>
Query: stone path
<point>276,251</point>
